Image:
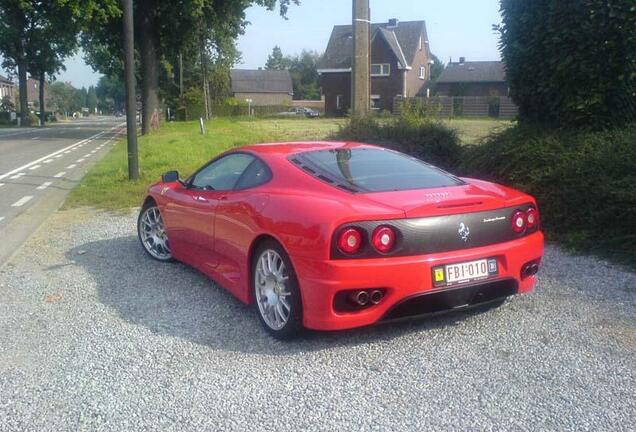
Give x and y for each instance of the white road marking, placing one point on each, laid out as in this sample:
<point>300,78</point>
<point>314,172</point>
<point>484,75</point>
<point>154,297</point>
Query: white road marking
<point>22,201</point>
<point>80,160</point>
<point>1,184</point>
<point>60,174</point>
<point>34,167</point>
<point>71,166</point>
<point>48,161</point>
<point>17,176</point>
<point>67,151</point>
<point>94,151</point>
<point>44,185</point>
<point>1,218</point>
<point>58,156</point>
<point>34,138</point>
<point>87,155</point>
<point>30,164</point>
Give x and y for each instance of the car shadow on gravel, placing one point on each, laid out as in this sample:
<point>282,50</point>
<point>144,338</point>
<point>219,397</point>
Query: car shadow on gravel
<point>172,299</point>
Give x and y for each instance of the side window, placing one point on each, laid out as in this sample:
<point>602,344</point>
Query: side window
<point>255,175</point>
<point>223,174</point>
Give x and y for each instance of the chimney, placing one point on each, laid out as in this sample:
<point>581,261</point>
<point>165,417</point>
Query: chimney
<point>462,60</point>
<point>393,23</point>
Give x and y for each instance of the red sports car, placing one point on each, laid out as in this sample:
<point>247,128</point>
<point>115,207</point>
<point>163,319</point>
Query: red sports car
<point>333,236</point>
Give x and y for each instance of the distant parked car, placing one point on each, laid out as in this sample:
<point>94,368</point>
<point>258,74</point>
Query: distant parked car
<point>301,111</point>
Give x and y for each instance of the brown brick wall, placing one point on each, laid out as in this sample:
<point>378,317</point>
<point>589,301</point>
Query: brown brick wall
<point>334,84</point>
<point>265,99</point>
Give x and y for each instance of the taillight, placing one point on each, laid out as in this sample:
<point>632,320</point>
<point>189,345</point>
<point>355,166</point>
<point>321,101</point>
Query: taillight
<point>532,218</point>
<point>383,239</point>
<point>519,221</point>
<point>350,240</point>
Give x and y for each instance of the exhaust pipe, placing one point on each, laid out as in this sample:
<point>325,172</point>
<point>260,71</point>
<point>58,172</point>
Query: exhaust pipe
<point>360,297</point>
<point>529,270</point>
<point>376,296</point>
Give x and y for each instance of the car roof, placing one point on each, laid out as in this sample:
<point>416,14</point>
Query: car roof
<point>291,148</point>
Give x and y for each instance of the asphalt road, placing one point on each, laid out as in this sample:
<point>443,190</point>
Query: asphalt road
<point>38,166</point>
<point>94,335</point>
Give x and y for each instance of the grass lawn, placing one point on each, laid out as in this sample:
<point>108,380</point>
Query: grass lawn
<point>180,146</point>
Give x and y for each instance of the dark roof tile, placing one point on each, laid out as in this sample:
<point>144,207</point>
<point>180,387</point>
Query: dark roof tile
<point>260,81</point>
<point>478,71</point>
<point>405,38</point>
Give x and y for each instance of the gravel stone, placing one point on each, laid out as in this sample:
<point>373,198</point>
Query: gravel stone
<point>94,335</point>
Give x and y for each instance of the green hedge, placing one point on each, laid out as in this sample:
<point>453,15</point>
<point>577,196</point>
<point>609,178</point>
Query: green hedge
<point>585,182</point>
<point>428,140</point>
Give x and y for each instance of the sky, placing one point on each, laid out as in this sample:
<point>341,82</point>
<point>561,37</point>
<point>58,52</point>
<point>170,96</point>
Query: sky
<point>456,28</point>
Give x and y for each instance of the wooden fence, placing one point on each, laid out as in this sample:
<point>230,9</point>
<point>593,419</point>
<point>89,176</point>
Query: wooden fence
<point>465,106</point>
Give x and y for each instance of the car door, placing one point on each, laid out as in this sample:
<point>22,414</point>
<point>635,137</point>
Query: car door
<point>235,223</point>
<point>193,207</point>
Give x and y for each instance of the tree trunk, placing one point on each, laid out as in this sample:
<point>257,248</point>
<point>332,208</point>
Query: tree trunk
<point>22,84</point>
<point>42,108</point>
<point>149,70</point>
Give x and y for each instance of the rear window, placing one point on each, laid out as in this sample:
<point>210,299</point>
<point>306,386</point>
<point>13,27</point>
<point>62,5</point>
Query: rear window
<point>372,170</point>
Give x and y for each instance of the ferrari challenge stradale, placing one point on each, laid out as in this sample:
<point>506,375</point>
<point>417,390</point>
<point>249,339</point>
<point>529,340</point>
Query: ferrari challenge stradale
<point>330,236</point>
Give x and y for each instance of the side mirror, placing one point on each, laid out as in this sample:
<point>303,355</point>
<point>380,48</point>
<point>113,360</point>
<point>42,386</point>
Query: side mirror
<point>170,177</point>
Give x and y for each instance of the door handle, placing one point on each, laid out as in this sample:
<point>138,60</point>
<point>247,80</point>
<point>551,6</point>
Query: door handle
<point>199,198</point>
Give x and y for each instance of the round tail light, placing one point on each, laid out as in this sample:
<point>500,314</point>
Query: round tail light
<point>532,218</point>
<point>349,241</point>
<point>519,221</point>
<point>383,239</point>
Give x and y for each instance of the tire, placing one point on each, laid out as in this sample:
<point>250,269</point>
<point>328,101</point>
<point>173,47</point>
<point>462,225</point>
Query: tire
<point>152,234</point>
<point>276,294</point>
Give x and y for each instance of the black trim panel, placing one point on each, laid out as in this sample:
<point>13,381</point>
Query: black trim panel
<point>448,300</point>
<point>421,236</point>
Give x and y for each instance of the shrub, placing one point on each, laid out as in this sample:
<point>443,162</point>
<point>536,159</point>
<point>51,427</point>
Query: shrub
<point>584,182</point>
<point>571,63</point>
<point>428,140</point>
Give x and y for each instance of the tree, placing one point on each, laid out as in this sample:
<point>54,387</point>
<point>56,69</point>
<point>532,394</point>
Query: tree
<point>91,100</point>
<point>111,94</point>
<point>571,63</point>
<point>276,60</point>
<point>303,69</point>
<point>161,35</point>
<point>62,97</point>
<point>436,68</point>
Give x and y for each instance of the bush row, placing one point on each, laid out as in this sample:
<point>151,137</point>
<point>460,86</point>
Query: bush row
<point>584,182</point>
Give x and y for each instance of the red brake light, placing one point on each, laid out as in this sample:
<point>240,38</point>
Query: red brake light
<point>383,239</point>
<point>349,240</point>
<point>519,222</point>
<point>532,217</point>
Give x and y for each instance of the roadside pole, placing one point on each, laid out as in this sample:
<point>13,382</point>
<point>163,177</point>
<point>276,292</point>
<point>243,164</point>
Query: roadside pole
<point>131,100</point>
<point>361,67</point>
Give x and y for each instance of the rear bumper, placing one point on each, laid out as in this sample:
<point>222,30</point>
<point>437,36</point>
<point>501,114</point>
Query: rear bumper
<point>408,281</point>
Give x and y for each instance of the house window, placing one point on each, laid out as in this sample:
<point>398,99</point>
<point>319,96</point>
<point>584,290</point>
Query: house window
<point>339,102</point>
<point>381,69</point>
<point>376,102</point>
<point>422,72</point>
<point>421,43</point>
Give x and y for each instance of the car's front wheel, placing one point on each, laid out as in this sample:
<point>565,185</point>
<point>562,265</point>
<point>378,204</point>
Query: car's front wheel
<point>152,233</point>
<point>276,291</point>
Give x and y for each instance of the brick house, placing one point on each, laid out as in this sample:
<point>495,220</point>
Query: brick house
<point>400,64</point>
<point>7,89</point>
<point>263,87</point>
<point>33,93</point>
<point>479,78</point>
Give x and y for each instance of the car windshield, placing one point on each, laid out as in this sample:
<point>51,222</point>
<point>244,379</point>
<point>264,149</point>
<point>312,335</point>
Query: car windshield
<point>372,170</point>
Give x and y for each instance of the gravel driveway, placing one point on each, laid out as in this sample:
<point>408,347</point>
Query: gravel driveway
<point>95,336</point>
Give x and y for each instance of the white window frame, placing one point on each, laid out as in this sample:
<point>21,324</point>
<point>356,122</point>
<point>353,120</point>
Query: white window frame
<point>422,72</point>
<point>385,69</point>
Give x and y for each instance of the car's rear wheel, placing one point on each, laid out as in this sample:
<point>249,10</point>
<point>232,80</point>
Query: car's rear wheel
<point>152,233</point>
<point>276,292</point>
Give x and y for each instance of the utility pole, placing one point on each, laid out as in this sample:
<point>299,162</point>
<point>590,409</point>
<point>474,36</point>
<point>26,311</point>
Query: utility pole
<point>181,76</point>
<point>131,100</point>
<point>361,67</point>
